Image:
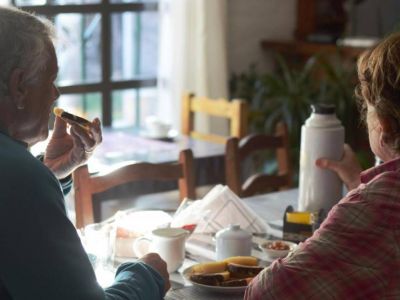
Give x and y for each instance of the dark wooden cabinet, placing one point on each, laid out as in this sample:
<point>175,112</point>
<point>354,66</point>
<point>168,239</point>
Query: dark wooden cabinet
<point>319,24</point>
<point>304,49</point>
<point>324,19</point>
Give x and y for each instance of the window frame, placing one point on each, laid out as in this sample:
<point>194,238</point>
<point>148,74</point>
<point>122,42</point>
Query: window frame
<point>106,85</point>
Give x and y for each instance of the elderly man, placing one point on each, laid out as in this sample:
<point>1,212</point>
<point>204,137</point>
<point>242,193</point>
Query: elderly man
<point>41,256</point>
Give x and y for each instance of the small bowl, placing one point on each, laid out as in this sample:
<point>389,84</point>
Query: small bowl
<point>277,248</point>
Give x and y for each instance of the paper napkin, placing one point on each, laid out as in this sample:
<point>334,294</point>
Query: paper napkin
<point>217,210</point>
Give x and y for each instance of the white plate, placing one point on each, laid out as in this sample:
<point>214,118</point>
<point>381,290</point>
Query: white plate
<point>219,289</point>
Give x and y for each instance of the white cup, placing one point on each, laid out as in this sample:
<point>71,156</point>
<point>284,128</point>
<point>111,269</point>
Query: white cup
<point>157,128</point>
<point>169,243</point>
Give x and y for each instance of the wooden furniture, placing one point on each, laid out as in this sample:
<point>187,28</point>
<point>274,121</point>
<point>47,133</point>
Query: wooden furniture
<point>306,49</point>
<point>85,185</point>
<point>326,17</point>
<point>319,24</point>
<point>237,151</point>
<point>120,145</point>
<point>235,111</point>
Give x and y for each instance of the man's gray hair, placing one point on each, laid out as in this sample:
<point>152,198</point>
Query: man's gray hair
<point>24,40</point>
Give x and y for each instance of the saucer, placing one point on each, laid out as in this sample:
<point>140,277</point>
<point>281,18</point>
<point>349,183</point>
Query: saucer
<point>171,135</point>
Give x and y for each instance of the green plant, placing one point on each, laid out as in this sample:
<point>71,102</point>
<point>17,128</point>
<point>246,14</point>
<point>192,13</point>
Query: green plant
<point>337,87</point>
<point>288,93</point>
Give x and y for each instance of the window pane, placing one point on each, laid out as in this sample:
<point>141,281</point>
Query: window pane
<point>63,2</point>
<point>85,105</point>
<point>52,2</point>
<point>134,45</point>
<point>28,2</point>
<point>131,107</point>
<point>148,102</point>
<point>78,48</point>
<point>134,1</point>
<point>149,44</point>
<point>124,108</point>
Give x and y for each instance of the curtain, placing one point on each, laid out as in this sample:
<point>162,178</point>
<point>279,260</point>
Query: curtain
<point>192,54</point>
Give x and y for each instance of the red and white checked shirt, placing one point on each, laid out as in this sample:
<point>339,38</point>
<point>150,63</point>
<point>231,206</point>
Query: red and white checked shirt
<point>354,255</point>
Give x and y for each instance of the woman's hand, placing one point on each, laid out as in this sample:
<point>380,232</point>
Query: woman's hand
<point>67,151</point>
<point>348,168</point>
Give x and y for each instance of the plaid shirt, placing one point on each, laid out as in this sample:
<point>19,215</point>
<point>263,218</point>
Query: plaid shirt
<point>354,255</point>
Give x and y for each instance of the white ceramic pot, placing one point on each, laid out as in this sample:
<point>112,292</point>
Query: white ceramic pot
<point>233,241</point>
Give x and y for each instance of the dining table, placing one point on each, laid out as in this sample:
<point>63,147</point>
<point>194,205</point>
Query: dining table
<point>129,145</point>
<point>270,207</point>
<point>122,145</point>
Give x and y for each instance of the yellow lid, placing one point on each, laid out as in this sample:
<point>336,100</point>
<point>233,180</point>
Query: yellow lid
<point>299,217</point>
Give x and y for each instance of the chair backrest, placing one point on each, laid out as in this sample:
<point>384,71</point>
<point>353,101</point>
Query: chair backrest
<point>85,185</point>
<point>236,111</point>
<point>237,151</point>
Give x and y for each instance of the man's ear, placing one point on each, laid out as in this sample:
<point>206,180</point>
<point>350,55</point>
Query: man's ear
<point>17,88</point>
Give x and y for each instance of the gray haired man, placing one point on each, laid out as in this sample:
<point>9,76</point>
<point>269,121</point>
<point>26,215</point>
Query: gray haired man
<point>41,256</point>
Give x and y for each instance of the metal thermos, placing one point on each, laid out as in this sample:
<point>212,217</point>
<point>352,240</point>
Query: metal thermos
<point>322,136</point>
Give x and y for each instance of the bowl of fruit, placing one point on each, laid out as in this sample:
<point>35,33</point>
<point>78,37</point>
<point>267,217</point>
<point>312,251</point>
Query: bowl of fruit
<point>277,248</point>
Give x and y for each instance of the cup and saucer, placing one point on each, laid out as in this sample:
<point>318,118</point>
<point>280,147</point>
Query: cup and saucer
<point>158,130</point>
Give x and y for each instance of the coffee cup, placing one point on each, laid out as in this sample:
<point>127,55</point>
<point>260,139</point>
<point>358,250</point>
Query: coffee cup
<point>169,243</point>
<point>157,128</point>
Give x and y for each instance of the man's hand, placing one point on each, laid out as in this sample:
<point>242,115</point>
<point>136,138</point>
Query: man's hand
<point>67,151</point>
<point>348,168</point>
<point>156,262</point>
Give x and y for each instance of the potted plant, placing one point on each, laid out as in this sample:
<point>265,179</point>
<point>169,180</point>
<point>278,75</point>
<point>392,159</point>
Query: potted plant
<point>288,93</point>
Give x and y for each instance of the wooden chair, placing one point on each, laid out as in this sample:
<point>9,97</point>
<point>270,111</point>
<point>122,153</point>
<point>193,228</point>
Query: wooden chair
<point>85,185</point>
<point>237,151</point>
<point>236,111</point>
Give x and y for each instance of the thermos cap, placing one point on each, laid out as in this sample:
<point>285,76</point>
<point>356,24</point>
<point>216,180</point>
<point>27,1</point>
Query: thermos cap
<point>323,108</point>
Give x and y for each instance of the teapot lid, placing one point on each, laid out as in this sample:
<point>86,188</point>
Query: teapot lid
<point>233,232</point>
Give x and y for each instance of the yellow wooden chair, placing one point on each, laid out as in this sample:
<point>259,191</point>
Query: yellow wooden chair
<point>236,111</point>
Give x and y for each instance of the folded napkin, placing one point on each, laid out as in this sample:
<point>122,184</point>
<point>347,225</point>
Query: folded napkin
<point>217,210</point>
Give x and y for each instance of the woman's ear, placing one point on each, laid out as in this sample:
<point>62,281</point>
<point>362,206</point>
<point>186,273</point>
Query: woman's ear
<point>17,88</point>
<point>387,130</point>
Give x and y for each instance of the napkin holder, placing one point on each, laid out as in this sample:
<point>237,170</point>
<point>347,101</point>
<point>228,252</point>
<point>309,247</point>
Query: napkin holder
<point>299,231</point>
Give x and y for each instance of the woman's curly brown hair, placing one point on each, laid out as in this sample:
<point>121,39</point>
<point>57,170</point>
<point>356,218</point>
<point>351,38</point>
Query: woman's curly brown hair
<point>379,83</point>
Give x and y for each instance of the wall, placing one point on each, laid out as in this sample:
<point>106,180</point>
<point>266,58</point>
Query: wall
<point>376,17</point>
<point>250,21</point>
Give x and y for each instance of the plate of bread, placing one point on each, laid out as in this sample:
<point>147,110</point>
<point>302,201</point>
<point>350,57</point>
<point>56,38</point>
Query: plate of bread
<point>231,275</point>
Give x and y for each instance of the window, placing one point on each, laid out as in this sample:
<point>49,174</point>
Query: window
<point>107,54</point>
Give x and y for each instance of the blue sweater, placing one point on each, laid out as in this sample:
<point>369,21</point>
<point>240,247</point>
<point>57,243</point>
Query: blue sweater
<point>41,256</point>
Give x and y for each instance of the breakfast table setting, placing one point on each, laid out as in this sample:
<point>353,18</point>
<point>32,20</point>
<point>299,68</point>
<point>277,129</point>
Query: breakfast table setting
<point>219,234</point>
